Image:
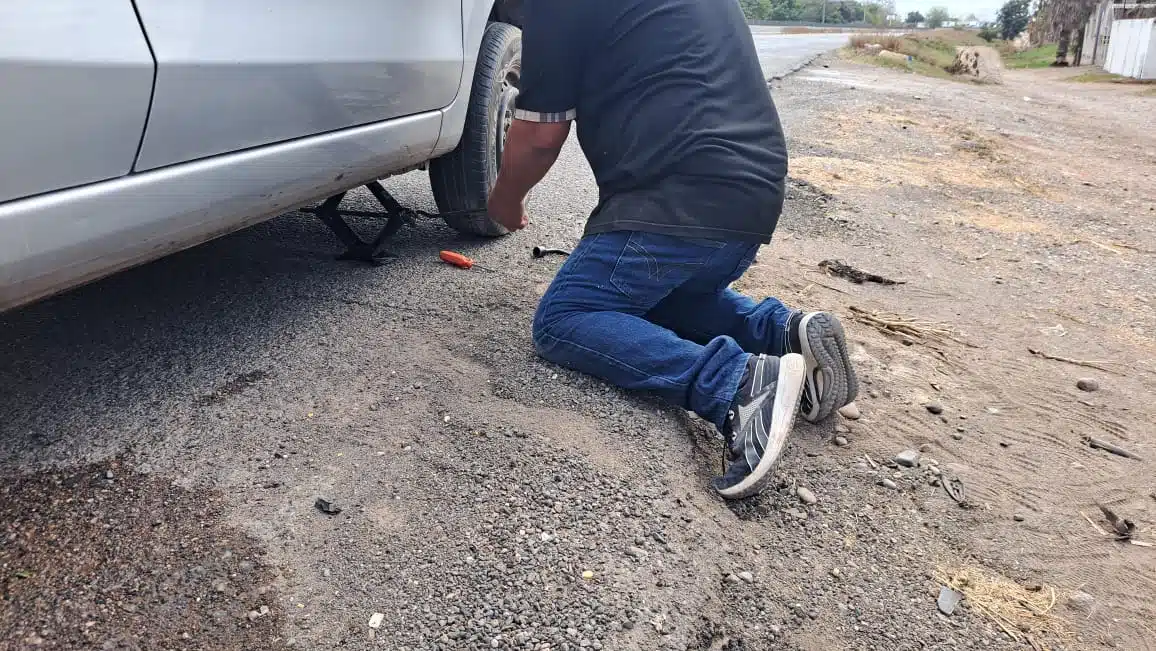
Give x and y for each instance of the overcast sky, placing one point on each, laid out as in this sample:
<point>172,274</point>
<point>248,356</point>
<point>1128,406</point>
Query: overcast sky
<point>983,9</point>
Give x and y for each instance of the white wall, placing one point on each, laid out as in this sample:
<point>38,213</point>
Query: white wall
<point>1132,48</point>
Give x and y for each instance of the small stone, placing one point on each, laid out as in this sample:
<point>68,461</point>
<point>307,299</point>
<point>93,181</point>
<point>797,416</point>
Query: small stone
<point>1081,600</point>
<point>732,578</point>
<point>108,474</point>
<point>926,447</point>
<point>747,576</point>
<point>842,429</point>
<point>326,506</point>
<point>776,630</point>
<point>908,458</point>
<point>842,441</point>
<point>1018,517</point>
<point>957,436</point>
<point>934,470</point>
<point>835,572</point>
<point>887,483</point>
<point>254,615</point>
<point>636,552</point>
<point>934,407</point>
<point>806,496</point>
<point>376,619</point>
<point>851,412</point>
<point>1087,384</point>
<point>948,600</point>
<point>588,575</point>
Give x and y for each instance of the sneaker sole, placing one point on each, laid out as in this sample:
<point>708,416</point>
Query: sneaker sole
<point>788,393</point>
<point>825,347</point>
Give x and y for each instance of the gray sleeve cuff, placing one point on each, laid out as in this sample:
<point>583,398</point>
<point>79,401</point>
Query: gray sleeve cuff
<point>536,116</point>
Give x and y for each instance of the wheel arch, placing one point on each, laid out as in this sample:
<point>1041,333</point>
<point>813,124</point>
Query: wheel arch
<point>507,11</point>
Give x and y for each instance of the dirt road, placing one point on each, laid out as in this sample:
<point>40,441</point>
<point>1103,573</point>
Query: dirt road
<point>491,500</point>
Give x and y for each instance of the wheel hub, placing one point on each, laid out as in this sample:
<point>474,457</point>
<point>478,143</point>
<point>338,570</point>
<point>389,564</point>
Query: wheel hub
<point>505,117</point>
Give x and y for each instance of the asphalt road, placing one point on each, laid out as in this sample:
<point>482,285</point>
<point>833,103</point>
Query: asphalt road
<point>779,54</point>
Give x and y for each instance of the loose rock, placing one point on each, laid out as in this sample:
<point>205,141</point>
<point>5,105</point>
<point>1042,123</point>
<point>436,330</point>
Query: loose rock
<point>842,441</point>
<point>851,412</point>
<point>732,578</point>
<point>806,496</point>
<point>934,407</point>
<point>636,552</point>
<point>375,620</point>
<point>948,600</point>
<point>1087,384</point>
<point>887,483</point>
<point>747,576</point>
<point>908,458</point>
<point>842,429</point>
<point>1018,517</point>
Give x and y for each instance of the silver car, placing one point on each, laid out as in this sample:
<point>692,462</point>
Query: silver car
<point>131,129</point>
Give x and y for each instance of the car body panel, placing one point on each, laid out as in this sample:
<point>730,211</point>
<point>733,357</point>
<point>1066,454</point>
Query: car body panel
<point>235,75</point>
<point>475,17</point>
<point>62,239</point>
<point>75,80</point>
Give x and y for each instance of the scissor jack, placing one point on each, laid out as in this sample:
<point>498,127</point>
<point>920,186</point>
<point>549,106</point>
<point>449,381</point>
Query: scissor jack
<point>396,216</point>
<point>357,249</point>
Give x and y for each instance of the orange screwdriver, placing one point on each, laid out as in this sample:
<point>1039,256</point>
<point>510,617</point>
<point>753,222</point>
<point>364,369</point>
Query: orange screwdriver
<point>459,260</point>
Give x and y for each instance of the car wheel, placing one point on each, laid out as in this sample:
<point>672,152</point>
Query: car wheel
<point>463,178</point>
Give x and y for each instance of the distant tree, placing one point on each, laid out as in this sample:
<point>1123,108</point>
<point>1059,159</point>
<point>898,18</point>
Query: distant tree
<point>914,18</point>
<point>937,16</point>
<point>989,32</point>
<point>1014,17</point>
<point>756,9</point>
<point>970,18</point>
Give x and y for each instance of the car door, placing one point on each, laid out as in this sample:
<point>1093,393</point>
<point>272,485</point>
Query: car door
<point>75,79</point>
<point>233,75</point>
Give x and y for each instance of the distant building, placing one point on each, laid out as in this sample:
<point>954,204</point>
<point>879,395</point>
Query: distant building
<point>1094,51</point>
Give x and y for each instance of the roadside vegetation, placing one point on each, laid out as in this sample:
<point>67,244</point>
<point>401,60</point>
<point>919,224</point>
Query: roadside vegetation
<point>933,53</point>
<point>1036,57</point>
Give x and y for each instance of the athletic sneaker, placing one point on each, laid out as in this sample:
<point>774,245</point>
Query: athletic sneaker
<point>831,382</point>
<point>759,422</point>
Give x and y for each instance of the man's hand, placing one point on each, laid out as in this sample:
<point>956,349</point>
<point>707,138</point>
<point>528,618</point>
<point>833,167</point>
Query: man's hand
<point>507,211</point>
<point>531,148</point>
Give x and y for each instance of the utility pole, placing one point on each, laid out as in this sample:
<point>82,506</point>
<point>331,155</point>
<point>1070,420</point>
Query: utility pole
<point>824,12</point>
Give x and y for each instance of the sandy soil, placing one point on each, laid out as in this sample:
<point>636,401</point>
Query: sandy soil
<point>1021,217</point>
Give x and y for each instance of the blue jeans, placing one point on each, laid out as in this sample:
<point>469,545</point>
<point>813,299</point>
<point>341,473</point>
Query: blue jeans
<point>655,313</point>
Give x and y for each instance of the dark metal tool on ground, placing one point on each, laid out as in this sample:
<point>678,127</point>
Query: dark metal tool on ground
<point>540,252</point>
<point>461,261</point>
<point>857,276</point>
<point>396,216</point>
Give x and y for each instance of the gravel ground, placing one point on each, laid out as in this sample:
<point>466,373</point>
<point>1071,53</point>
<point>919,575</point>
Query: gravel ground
<point>488,499</point>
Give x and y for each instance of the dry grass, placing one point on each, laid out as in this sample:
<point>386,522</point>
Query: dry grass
<point>893,43</point>
<point>1025,614</point>
<point>1108,78</point>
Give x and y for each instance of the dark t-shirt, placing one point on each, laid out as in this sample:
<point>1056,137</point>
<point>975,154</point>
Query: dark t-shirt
<point>673,112</point>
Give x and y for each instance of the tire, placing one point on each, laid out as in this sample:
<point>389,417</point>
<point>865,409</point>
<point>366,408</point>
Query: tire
<point>463,178</point>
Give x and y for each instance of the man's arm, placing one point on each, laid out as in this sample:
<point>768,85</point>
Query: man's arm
<point>547,103</point>
<point>531,149</point>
